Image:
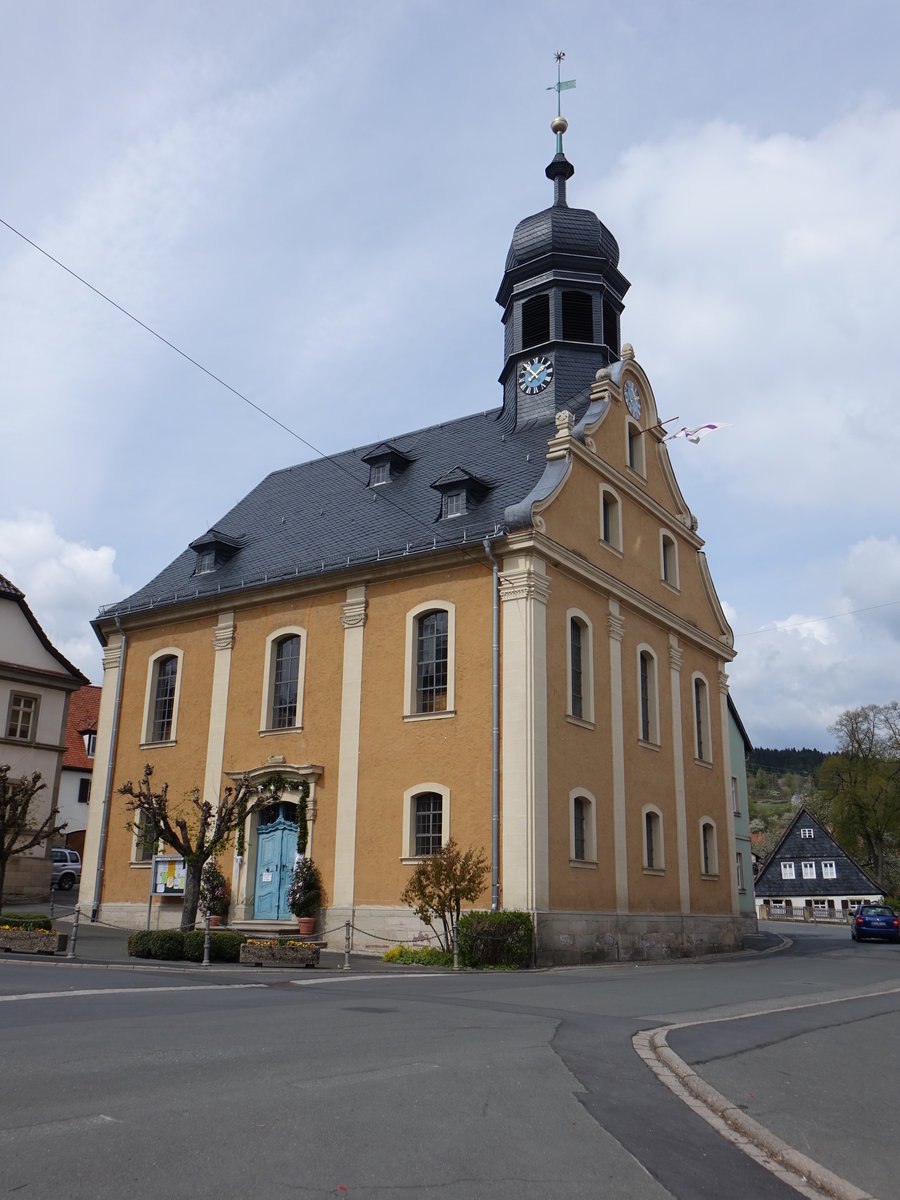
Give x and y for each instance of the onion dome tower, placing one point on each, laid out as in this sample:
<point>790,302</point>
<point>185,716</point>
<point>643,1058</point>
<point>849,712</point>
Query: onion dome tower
<point>562,296</point>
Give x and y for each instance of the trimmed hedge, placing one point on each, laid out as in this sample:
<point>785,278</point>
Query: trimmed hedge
<point>427,956</point>
<point>26,921</point>
<point>172,945</point>
<point>496,939</point>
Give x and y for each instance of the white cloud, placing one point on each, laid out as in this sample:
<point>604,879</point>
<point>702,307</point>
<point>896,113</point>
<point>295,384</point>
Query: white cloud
<point>64,583</point>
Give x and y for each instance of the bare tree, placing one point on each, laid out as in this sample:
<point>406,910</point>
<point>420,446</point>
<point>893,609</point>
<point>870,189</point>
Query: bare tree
<point>20,829</point>
<point>196,840</point>
<point>439,885</point>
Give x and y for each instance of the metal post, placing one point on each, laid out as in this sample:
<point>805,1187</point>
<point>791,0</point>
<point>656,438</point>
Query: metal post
<point>455,947</point>
<point>206,944</point>
<point>51,902</point>
<point>70,951</point>
<point>346,945</point>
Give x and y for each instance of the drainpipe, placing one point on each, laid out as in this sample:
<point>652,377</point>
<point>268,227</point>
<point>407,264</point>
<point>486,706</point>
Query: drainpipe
<point>104,819</point>
<point>495,735</point>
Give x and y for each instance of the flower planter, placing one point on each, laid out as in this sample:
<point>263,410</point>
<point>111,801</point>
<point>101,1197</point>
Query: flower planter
<point>33,941</point>
<point>259,953</point>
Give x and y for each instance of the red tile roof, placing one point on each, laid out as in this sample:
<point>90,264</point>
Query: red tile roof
<point>84,709</point>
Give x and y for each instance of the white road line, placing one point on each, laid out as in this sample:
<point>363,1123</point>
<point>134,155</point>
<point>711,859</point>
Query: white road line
<point>54,1128</point>
<point>191,987</point>
<point>800,1172</point>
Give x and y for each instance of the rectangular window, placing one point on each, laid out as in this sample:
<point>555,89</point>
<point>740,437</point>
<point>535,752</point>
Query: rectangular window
<point>806,832</point>
<point>454,504</point>
<point>379,474</point>
<point>22,723</point>
<point>739,864</point>
<point>735,798</point>
<point>84,791</point>
<point>580,826</point>
<point>90,744</point>
<point>828,871</point>
<point>787,870</point>
<point>145,839</point>
<point>429,818</point>
<point>808,869</point>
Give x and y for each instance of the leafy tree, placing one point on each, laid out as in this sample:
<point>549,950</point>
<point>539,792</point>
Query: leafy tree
<point>20,829</point>
<point>198,842</point>
<point>862,782</point>
<point>439,885</point>
<point>760,781</point>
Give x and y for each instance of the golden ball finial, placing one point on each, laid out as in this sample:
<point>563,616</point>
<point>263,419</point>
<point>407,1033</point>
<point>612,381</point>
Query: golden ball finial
<point>559,124</point>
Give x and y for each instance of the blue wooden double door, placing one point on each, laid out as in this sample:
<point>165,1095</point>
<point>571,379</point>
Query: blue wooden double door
<point>276,850</point>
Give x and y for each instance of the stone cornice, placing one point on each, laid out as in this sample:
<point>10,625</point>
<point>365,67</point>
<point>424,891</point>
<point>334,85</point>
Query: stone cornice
<point>524,584</point>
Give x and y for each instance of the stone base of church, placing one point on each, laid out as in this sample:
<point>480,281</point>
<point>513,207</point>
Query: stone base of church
<point>573,938</point>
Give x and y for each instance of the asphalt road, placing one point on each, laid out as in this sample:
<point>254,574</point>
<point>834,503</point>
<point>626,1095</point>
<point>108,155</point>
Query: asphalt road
<point>238,1083</point>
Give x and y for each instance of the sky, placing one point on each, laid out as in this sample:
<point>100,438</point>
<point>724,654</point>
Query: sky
<point>314,201</point>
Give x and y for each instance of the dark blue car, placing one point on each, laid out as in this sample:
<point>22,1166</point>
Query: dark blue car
<point>875,921</point>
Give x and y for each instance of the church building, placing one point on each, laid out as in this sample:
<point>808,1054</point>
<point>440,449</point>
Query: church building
<point>499,629</point>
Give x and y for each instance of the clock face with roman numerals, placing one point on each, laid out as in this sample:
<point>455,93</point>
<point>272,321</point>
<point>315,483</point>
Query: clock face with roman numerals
<point>535,374</point>
<point>633,399</point>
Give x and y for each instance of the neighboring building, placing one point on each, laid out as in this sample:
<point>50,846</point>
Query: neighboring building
<point>808,869</point>
<point>336,627</point>
<point>78,764</point>
<point>741,748</point>
<point>36,682</point>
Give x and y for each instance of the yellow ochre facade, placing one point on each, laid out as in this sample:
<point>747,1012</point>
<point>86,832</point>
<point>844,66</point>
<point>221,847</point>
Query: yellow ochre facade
<point>371,673</point>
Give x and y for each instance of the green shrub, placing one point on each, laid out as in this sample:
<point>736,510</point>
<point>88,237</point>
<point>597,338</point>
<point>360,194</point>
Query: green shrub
<point>495,939</point>
<point>224,945</point>
<point>894,902</point>
<point>165,944</point>
<point>26,921</point>
<point>428,956</point>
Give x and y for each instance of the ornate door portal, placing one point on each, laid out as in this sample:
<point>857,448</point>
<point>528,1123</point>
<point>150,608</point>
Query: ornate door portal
<point>276,850</point>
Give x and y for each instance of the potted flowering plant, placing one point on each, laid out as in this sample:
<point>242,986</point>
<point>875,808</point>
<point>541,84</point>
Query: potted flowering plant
<point>213,893</point>
<point>305,894</point>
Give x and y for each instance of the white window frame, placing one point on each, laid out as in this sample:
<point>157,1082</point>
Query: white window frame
<point>703,732</point>
<point>659,848</point>
<point>735,797</point>
<point>410,663</point>
<point>635,456</point>
<point>787,870</point>
<point>379,474</point>
<point>829,870</point>
<point>268,692</point>
<point>739,868</point>
<point>33,701</point>
<point>614,541</point>
<point>408,844</point>
<point>668,560</point>
<point>587,667</point>
<point>150,695</point>
<point>590,828</point>
<point>709,861</point>
<point>137,819</point>
<point>808,869</point>
<point>652,696</point>
<point>807,831</point>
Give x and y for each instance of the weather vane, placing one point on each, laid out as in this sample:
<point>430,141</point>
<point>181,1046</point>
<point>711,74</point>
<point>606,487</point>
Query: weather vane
<point>559,125</point>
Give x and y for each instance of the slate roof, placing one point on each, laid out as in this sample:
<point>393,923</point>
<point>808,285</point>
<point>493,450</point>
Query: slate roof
<point>322,516</point>
<point>84,710</point>
<point>851,879</point>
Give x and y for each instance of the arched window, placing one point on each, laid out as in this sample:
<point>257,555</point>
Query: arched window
<point>581,671</point>
<point>648,696</point>
<point>535,321</point>
<point>582,827</point>
<point>161,698</point>
<point>709,851</point>
<point>610,518</point>
<point>283,678</point>
<point>430,648</point>
<point>702,733</point>
<point>426,820</point>
<point>654,851</point>
<point>668,549</point>
<point>577,317</point>
<point>636,449</point>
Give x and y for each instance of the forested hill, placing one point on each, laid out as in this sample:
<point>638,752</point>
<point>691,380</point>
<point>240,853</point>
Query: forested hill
<point>802,762</point>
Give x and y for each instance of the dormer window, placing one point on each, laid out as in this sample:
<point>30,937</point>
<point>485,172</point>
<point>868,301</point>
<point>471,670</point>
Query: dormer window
<point>461,492</point>
<point>90,744</point>
<point>213,549</point>
<point>379,474</point>
<point>385,463</point>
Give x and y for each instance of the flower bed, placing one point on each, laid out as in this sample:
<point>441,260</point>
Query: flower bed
<point>33,941</point>
<point>260,952</point>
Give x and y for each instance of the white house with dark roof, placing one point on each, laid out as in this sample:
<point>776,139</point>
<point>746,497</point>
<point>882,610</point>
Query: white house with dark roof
<point>500,629</point>
<point>809,870</point>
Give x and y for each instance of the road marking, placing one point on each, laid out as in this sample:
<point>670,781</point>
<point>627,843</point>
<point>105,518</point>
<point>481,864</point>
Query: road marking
<point>797,1170</point>
<point>54,1128</point>
<point>190,987</point>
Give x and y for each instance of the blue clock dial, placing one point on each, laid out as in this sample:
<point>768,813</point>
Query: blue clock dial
<point>535,375</point>
<point>633,399</point>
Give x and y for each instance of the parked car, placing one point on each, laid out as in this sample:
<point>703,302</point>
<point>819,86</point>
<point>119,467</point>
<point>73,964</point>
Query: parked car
<point>875,921</point>
<point>66,869</point>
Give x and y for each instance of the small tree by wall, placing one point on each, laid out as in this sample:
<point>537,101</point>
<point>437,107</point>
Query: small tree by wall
<point>197,842</point>
<point>20,830</point>
<point>439,885</point>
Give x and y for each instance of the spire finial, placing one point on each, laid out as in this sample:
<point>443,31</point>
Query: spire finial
<point>559,124</point>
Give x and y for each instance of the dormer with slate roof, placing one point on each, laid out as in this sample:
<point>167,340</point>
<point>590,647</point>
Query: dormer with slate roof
<point>213,549</point>
<point>385,463</point>
<point>461,492</point>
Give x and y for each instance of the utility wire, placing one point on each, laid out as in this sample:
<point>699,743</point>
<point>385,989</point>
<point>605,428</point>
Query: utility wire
<point>851,612</point>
